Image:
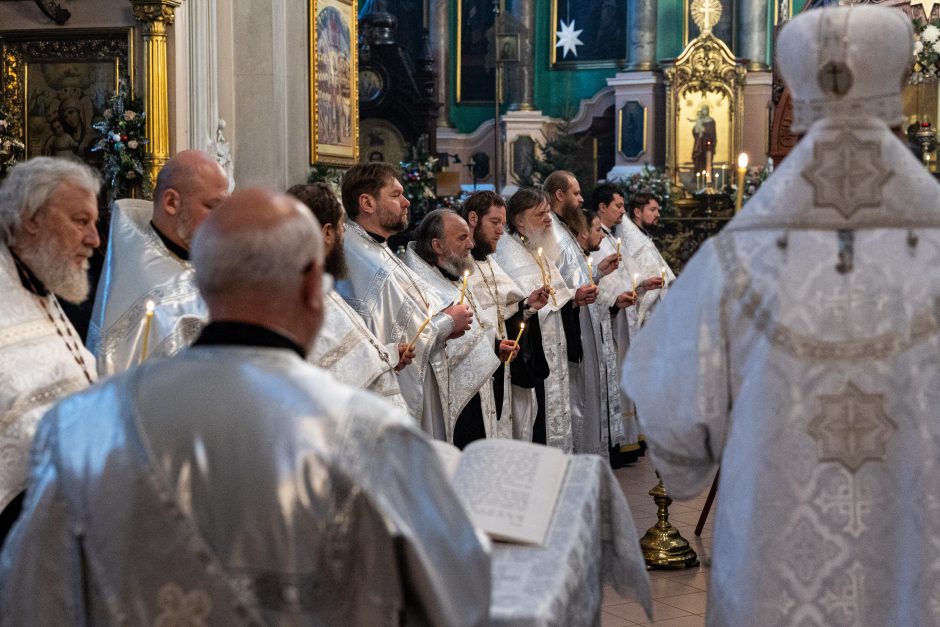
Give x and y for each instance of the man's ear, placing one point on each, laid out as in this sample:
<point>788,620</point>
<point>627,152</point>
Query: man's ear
<point>171,201</point>
<point>329,233</point>
<point>472,219</point>
<point>31,224</point>
<point>366,204</point>
<point>437,246</point>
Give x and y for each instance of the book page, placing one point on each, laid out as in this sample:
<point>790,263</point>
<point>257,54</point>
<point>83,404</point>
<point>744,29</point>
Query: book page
<point>510,488</point>
<point>449,456</point>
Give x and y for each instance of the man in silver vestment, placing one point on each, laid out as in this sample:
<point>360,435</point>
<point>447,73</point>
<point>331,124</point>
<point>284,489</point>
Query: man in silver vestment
<point>344,346</point>
<point>395,303</point>
<point>528,257</point>
<point>652,272</point>
<point>802,354</point>
<point>597,423</point>
<point>235,483</point>
<point>148,262</point>
<point>48,211</point>
<point>440,255</point>
<point>504,308</point>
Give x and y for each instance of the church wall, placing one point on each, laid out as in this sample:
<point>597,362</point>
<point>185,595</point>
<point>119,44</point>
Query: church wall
<point>85,14</point>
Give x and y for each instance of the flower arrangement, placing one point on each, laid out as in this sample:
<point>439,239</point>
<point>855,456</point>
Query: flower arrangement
<point>122,144</point>
<point>651,181</point>
<point>11,148</point>
<point>418,169</point>
<point>926,51</point>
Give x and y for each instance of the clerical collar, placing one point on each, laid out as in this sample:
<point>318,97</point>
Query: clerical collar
<point>378,238</point>
<point>447,275</point>
<point>28,278</point>
<point>226,332</point>
<point>642,230</point>
<point>606,230</point>
<point>479,254</point>
<point>174,248</point>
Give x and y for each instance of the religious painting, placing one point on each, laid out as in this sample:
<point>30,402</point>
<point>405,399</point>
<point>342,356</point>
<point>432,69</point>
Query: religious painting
<point>631,130</point>
<point>704,132</point>
<point>379,140</point>
<point>508,48</point>
<point>588,33</point>
<point>476,76</point>
<point>57,85</point>
<point>334,84</point>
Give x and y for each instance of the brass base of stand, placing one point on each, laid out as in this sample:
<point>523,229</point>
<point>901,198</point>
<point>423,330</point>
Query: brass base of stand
<point>662,545</point>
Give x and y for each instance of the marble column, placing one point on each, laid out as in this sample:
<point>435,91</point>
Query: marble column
<point>523,11</point>
<point>641,37</point>
<point>752,33</point>
<point>440,50</point>
<point>156,16</point>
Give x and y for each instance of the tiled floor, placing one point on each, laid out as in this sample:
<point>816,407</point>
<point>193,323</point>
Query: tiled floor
<point>678,595</point>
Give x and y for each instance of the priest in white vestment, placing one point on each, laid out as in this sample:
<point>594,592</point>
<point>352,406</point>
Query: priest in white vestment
<point>237,484</point>
<point>651,270</point>
<point>802,355</point>
<point>148,262</point>
<point>440,255</point>
<point>345,346</point>
<point>504,308</point>
<point>597,423</point>
<point>395,303</point>
<point>528,255</point>
<point>48,211</point>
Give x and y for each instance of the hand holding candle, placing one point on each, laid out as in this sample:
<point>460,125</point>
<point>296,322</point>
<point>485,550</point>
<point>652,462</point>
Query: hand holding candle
<point>742,170</point>
<point>518,337</point>
<point>635,276</point>
<point>148,325</point>
<point>414,340</point>
<point>619,242</point>
<point>590,271</point>
<point>463,288</point>
<point>662,271</point>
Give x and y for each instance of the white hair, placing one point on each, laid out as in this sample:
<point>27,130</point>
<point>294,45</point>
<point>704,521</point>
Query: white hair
<point>266,260</point>
<point>30,185</point>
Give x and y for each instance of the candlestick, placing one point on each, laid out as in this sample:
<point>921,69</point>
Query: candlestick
<point>518,337</point>
<point>708,168</point>
<point>742,169</point>
<point>590,271</point>
<point>414,340</point>
<point>148,324</point>
<point>463,288</point>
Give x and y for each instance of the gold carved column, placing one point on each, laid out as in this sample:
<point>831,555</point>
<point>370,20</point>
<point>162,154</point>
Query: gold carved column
<point>156,16</point>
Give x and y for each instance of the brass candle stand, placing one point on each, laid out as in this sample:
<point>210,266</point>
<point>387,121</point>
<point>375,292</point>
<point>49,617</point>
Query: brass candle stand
<point>663,546</point>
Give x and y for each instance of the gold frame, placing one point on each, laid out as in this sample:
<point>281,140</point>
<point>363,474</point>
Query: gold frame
<point>458,97</point>
<point>593,64</point>
<point>642,152</point>
<point>706,66</point>
<point>334,153</point>
<point>21,49</point>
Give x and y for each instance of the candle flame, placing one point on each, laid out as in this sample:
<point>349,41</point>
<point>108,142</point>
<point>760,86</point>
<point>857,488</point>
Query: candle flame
<point>466,273</point>
<point>150,306</point>
<point>742,160</point>
<point>522,325</point>
<point>540,252</point>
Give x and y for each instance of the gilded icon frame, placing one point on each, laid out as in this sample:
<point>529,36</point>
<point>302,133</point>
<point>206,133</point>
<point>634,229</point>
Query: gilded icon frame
<point>334,82</point>
<point>56,85</point>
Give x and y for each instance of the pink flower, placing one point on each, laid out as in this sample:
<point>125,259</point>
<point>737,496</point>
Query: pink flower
<point>129,115</point>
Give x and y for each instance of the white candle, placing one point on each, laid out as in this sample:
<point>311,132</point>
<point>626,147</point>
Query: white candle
<point>590,271</point>
<point>518,337</point>
<point>463,288</point>
<point>742,169</point>
<point>414,340</point>
<point>148,325</point>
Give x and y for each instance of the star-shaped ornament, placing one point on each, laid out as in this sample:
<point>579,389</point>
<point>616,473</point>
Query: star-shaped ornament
<point>568,38</point>
<point>927,5</point>
<point>847,174</point>
<point>851,427</point>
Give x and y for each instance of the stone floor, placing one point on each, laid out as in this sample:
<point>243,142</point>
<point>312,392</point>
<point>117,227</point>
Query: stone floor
<point>678,595</point>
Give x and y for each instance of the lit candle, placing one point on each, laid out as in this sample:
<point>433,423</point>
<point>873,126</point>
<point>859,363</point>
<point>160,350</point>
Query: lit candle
<point>590,271</point>
<point>619,242</point>
<point>414,340</point>
<point>742,169</point>
<point>518,337</point>
<point>463,288</point>
<point>634,284</point>
<point>662,270</point>
<point>148,324</point>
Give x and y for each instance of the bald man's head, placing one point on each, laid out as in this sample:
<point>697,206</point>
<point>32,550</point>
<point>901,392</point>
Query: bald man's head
<point>189,186</point>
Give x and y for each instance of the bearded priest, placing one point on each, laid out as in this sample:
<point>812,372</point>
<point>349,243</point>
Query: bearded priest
<point>395,303</point>
<point>528,257</point>
<point>48,211</point>
<point>344,346</point>
<point>653,273</point>
<point>148,263</point>
<point>597,421</point>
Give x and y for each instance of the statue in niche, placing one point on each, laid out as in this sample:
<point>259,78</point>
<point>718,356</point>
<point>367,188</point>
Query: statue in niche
<point>706,137</point>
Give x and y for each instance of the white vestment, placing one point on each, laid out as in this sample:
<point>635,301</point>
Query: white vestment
<point>497,299</point>
<point>352,353</point>
<point>799,350</point>
<point>471,358</point>
<point>597,422</point>
<point>647,262</point>
<point>610,287</point>
<point>139,268</point>
<point>37,368</point>
<point>522,266</point>
<point>394,303</point>
<point>238,485</point>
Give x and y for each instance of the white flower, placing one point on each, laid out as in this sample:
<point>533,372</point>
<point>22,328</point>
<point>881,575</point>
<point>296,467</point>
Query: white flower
<point>106,113</point>
<point>3,123</point>
<point>936,46</point>
<point>132,144</point>
<point>931,33</point>
<point>129,115</point>
<point>918,47</point>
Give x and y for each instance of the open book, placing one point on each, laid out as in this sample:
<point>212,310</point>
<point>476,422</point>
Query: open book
<point>508,487</point>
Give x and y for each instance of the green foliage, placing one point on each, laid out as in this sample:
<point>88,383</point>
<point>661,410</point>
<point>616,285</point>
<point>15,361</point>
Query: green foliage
<point>11,148</point>
<point>330,174</point>
<point>122,144</point>
<point>564,151</point>
<point>418,169</point>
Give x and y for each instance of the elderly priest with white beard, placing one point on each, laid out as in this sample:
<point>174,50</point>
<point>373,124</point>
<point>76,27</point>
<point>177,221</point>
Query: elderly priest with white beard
<point>148,263</point>
<point>235,483</point>
<point>48,210</point>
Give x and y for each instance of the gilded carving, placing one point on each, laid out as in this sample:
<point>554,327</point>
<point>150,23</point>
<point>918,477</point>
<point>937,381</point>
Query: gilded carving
<point>155,10</point>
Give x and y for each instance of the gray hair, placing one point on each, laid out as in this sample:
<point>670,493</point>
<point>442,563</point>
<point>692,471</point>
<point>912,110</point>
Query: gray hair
<point>30,185</point>
<point>431,228</point>
<point>260,260</point>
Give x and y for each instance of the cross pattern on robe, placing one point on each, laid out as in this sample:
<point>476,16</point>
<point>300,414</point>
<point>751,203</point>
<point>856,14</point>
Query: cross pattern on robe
<point>835,78</point>
<point>851,427</point>
<point>847,174</point>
